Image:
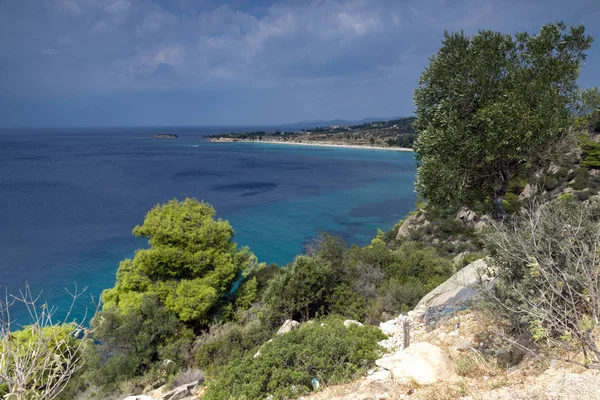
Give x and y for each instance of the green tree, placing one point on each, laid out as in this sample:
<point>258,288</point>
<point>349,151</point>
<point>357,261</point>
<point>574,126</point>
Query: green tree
<point>191,265</point>
<point>490,107</point>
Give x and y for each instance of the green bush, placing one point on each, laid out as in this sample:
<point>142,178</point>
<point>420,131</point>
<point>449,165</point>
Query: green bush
<point>591,154</point>
<point>582,176</point>
<point>228,342</point>
<point>130,343</point>
<point>324,350</point>
<point>301,290</point>
<point>347,302</point>
<point>511,203</point>
<point>550,182</point>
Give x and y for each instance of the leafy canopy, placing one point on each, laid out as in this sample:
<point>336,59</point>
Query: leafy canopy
<point>191,265</point>
<point>490,107</point>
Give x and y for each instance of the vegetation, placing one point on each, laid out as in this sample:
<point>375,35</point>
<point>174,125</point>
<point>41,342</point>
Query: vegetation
<point>325,351</point>
<point>190,267</point>
<point>39,360</point>
<point>547,274</point>
<point>398,132</point>
<point>490,108</point>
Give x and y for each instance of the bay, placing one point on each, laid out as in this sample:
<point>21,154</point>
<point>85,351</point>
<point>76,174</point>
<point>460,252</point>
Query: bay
<point>69,198</point>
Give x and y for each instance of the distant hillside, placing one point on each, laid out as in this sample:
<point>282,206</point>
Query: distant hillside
<point>321,123</point>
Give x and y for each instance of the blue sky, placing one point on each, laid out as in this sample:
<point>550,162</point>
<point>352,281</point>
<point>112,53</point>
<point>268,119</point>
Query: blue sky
<point>204,62</point>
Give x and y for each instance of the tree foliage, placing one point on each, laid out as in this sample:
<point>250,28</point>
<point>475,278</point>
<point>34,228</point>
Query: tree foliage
<point>490,107</point>
<point>191,265</point>
<point>548,275</point>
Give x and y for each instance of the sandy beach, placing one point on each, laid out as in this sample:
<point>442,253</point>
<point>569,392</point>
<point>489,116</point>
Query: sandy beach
<point>348,146</point>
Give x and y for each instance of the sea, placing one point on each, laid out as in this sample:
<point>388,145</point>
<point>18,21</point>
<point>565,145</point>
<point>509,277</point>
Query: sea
<point>69,199</point>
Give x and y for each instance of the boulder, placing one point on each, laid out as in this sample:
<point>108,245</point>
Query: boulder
<point>140,397</point>
<point>287,326</point>
<point>527,192</point>
<point>180,392</point>
<point>350,322</point>
<point>407,225</point>
<point>423,363</point>
<point>457,290</point>
<point>466,216</point>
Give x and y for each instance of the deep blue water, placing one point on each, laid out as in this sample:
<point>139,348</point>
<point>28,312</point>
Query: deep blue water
<point>70,198</point>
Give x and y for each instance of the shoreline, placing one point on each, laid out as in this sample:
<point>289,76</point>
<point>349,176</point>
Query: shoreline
<point>347,146</point>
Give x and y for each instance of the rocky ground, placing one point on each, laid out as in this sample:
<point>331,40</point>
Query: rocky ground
<point>452,353</point>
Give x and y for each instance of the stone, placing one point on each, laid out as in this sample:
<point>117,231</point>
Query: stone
<point>350,322</point>
<point>379,376</point>
<point>407,225</point>
<point>464,344</point>
<point>457,290</point>
<point>422,362</point>
<point>527,192</point>
<point>466,216</point>
<point>140,397</point>
<point>287,326</point>
<point>458,258</point>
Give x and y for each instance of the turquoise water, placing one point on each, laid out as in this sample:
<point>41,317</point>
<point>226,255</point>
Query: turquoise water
<point>71,198</point>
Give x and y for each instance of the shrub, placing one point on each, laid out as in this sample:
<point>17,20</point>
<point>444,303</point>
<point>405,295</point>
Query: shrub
<point>39,360</point>
<point>582,176</point>
<point>301,290</point>
<point>511,203</point>
<point>547,273</point>
<point>591,154</point>
<point>550,182</point>
<point>347,302</point>
<point>324,350</point>
<point>186,376</point>
<point>228,342</point>
<point>129,343</point>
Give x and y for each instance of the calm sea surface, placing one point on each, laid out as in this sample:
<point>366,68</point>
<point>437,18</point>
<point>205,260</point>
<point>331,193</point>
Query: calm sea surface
<point>70,198</point>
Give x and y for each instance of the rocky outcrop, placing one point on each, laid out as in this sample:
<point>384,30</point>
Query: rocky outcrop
<point>165,136</point>
<point>423,363</point>
<point>406,227</point>
<point>287,326</point>
<point>458,289</point>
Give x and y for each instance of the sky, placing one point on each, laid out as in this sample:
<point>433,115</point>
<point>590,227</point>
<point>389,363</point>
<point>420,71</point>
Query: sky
<point>239,62</point>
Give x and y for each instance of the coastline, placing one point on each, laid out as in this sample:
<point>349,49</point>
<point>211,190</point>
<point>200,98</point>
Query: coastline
<point>347,146</point>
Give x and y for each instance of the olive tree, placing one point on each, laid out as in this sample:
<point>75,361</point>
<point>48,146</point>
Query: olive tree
<point>490,107</point>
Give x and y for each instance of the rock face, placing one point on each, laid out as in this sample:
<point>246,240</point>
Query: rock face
<point>407,225</point>
<point>458,289</point>
<point>423,363</point>
<point>287,326</point>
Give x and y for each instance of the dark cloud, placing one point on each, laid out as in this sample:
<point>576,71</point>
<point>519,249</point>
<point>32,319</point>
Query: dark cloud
<point>79,62</point>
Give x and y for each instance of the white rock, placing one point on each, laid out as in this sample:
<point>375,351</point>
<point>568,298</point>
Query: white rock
<point>287,326</point>
<point>421,362</point>
<point>350,322</point>
<point>140,397</point>
<point>458,289</point>
<point>379,376</point>
<point>407,225</point>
